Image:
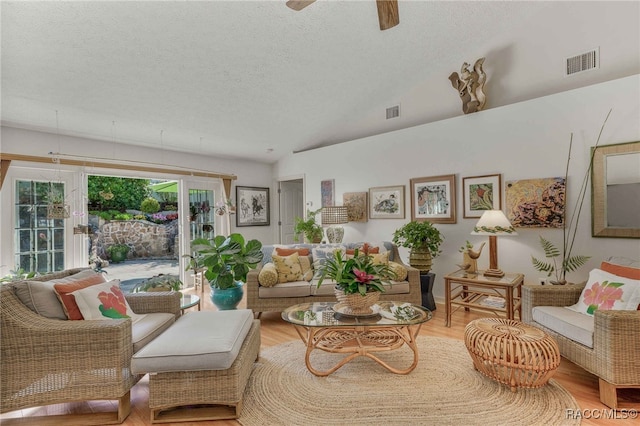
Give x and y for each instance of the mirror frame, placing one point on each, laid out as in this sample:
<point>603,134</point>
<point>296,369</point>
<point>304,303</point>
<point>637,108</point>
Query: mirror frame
<point>599,155</point>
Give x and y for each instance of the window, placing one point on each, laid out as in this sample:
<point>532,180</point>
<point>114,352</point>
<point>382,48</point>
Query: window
<point>39,240</point>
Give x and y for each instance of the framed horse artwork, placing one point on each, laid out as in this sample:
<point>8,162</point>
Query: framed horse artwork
<point>253,206</point>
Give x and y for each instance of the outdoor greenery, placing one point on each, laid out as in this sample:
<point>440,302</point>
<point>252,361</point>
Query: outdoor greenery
<point>118,252</point>
<point>162,282</point>
<point>419,235</point>
<point>118,193</point>
<point>149,205</point>
<point>227,259</point>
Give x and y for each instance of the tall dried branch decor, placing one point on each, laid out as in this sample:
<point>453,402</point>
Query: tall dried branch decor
<point>569,263</point>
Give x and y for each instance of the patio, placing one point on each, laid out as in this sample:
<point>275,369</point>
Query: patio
<point>131,272</point>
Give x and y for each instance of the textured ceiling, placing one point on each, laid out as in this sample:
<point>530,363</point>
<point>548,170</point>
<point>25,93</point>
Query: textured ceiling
<point>241,78</point>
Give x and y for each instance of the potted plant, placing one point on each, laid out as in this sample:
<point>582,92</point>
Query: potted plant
<point>162,282</point>
<point>227,261</point>
<point>359,281</point>
<point>309,228</point>
<point>423,240</point>
<point>118,252</point>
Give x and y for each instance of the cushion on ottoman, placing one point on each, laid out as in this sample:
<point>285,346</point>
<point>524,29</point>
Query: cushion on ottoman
<point>148,327</point>
<point>207,340</point>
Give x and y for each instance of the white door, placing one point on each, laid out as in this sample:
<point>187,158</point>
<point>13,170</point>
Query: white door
<point>197,201</point>
<point>291,206</point>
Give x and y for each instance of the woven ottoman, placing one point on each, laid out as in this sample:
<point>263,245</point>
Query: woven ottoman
<point>511,352</point>
<point>199,367</point>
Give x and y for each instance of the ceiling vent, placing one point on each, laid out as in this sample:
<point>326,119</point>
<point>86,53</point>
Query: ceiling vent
<point>393,112</point>
<point>583,62</point>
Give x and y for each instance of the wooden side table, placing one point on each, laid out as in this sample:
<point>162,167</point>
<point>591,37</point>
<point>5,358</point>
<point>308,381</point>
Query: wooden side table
<point>466,290</point>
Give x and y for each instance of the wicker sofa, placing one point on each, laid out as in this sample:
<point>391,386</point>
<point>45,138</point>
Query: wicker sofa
<point>281,296</point>
<point>48,361</point>
<point>616,339</point>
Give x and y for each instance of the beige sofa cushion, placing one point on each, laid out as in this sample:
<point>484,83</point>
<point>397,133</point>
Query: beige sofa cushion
<point>571,324</point>
<point>292,289</point>
<point>197,341</point>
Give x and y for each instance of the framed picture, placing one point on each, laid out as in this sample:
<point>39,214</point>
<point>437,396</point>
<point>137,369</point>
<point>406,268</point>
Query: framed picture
<point>252,206</point>
<point>327,193</point>
<point>536,203</point>
<point>434,199</point>
<point>356,204</point>
<point>386,202</point>
<point>481,193</point>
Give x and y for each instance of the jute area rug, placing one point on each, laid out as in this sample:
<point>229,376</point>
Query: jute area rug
<point>444,389</point>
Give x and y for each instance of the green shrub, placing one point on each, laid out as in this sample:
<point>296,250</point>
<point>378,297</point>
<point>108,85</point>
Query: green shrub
<point>122,216</point>
<point>140,217</point>
<point>105,215</point>
<point>150,205</point>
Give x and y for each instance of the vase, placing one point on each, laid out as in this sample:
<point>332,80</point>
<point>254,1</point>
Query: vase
<point>357,304</point>
<point>420,258</point>
<point>227,298</point>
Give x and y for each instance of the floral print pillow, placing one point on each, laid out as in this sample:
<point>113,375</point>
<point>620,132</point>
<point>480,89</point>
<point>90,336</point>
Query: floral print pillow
<point>104,301</point>
<point>605,291</point>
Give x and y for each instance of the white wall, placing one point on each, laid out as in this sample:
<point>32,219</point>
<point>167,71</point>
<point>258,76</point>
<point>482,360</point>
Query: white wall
<point>27,142</point>
<point>521,141</point>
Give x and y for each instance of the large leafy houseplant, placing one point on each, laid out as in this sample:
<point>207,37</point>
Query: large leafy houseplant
<point>227,259</point>
<point>562,261</point>
<point>419,235</point>
<point>308,227</point>
<point>357,274</point>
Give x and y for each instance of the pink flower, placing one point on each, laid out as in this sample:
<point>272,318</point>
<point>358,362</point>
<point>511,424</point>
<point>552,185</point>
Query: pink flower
<point>602,296</point>
<point>362,276</point>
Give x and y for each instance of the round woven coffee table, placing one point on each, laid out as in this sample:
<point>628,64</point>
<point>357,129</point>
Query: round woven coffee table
<point>511,352</point>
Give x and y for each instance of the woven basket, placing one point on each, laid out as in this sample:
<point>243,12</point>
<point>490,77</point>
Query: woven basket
<point>357,304</point>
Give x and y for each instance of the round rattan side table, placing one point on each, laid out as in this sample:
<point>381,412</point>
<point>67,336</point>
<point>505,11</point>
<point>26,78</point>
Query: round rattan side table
<point>511,352</point>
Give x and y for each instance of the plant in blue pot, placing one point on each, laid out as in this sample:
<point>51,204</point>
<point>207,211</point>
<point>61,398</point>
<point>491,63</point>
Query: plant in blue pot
<point>227,261</point>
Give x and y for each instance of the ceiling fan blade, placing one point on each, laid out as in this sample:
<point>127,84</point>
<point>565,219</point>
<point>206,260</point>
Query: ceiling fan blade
<point>299,4</point>
<point>388,14</point>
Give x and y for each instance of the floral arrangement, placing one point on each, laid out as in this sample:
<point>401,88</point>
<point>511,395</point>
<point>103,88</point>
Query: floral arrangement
<point>357,274</point>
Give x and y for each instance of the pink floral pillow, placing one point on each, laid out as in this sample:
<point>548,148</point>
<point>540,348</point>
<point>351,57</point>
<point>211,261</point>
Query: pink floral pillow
<point>606,291</point>
<point>104,301</point>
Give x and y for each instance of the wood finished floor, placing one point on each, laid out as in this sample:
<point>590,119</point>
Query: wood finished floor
<point>581,384</point>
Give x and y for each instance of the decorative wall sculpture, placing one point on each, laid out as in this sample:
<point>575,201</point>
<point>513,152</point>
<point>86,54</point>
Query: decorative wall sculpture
<point>470,86</point>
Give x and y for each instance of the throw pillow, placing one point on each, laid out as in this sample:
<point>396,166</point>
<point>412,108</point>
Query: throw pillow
<point>288,267</point>
<point>268,276</point>
<point>282,251</point>
<point>41,297</point>
<point>320,255</point>
<point>102,301</point>
<point>606,291</point>
<point>381,258</point>
<point>399,270</point>
<point>65,286</point>
<point>305,265</point>
<point>621,270</point>
<point>365,249</point>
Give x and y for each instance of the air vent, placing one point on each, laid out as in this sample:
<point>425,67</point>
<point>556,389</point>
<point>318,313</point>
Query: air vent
<point>584,62</point>
<point>393,112</point>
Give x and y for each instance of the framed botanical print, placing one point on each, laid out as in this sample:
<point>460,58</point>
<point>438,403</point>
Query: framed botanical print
<point>356,204</point>
<point>434,199</point>
<point>253,206</point>
<point>386,202</point>
<point>481,193</point>
<point>327,188</point>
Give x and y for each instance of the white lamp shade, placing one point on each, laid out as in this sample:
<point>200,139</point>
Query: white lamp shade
<point>493,222</point>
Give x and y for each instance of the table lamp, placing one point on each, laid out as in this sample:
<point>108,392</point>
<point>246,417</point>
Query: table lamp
<point>334,215</point>
<point>493,223</point>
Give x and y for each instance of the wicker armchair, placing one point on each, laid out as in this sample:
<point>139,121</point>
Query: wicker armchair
<point>49,361</point>
<point>616,340</point>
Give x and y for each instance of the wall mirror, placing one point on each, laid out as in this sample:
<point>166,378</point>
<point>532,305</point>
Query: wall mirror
<point>615,191</point>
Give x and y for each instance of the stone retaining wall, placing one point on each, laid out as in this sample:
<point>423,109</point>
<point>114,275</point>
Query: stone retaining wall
<point>146,239</point>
